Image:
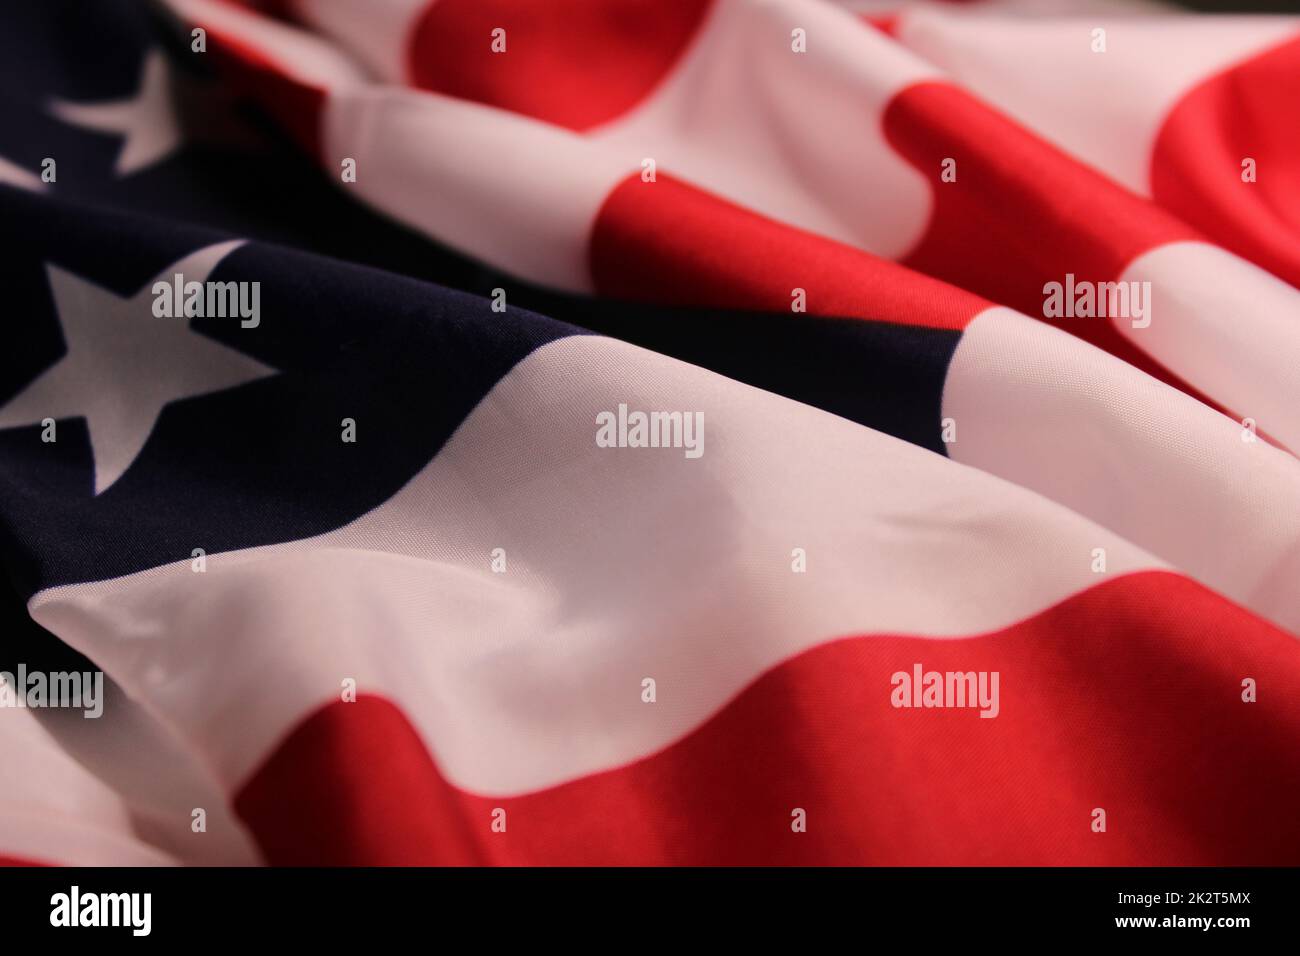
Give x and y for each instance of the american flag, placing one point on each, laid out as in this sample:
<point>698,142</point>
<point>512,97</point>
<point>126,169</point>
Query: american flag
<point>673,432</point>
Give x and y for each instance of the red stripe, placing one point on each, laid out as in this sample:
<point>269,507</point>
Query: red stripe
<point>1022,213</point>
<point>886,23</point>
<point>574,63</point>
<point>1247,111</point>
<point>1125,697</point>
<point>296,107</point>
<point>672,243</point>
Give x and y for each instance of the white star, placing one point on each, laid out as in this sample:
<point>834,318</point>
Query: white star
<point>123,364</point>
<point>149,120</point>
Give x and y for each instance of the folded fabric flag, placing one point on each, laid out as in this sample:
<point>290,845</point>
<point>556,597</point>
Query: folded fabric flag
<point>676,433</point>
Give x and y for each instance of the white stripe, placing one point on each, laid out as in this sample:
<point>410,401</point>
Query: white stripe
<point>1104,108</point>
<point>509,190</point>
<point>622,564</point>
<point>53,811</point>
<point>297,53</point>
<point>1226,326</point>
<point>377,31</point>
<point>114,790</point>
<point>1050,412</point>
